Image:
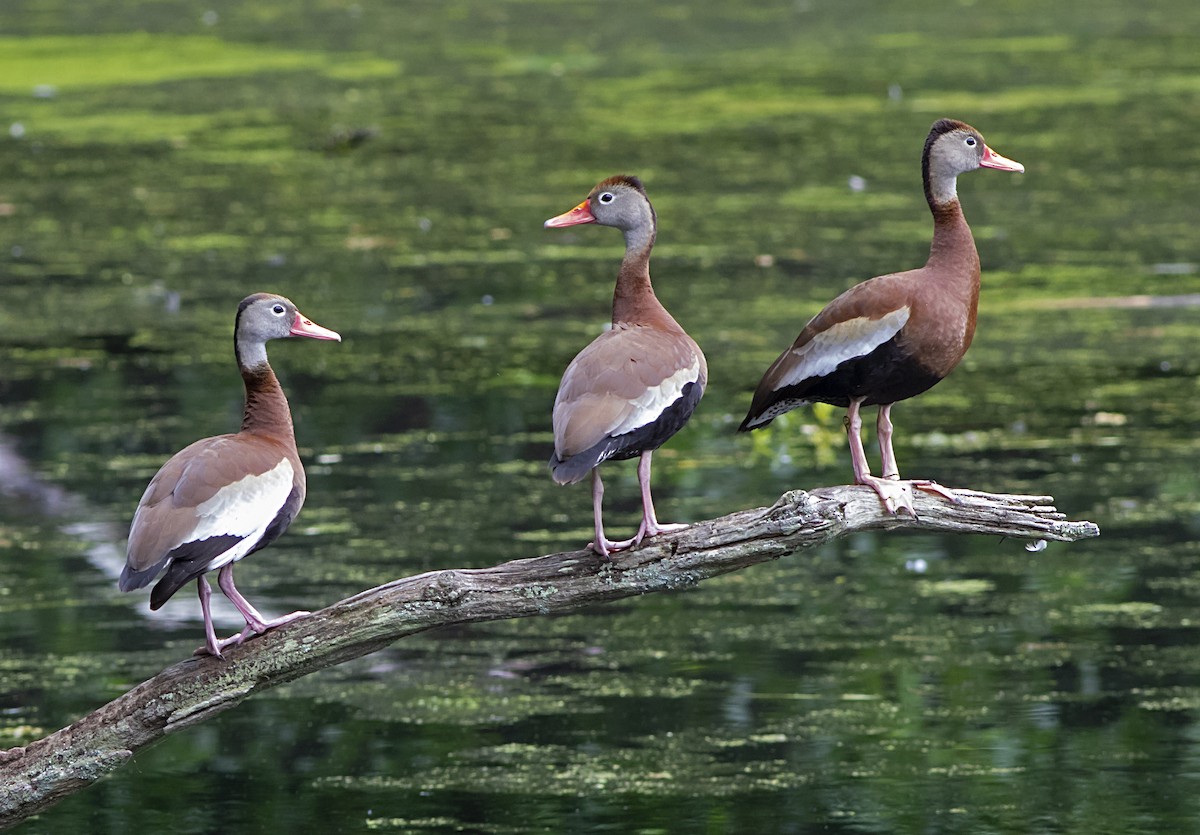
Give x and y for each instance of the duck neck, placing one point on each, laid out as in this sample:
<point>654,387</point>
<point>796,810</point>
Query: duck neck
<point>952,244</point>
<point>634,301</point>
<point>952,236</point>
<point>266,411</point>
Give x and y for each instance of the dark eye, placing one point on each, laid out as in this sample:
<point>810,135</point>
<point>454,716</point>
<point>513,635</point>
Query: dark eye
<point>970,142</point>
<point>279,309</point>
<point>606,198</point>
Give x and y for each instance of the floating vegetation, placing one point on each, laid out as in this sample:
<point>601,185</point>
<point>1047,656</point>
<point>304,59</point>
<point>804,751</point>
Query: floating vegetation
<point>19,734</point>
<point>657,768</point>
<point>1131,613</point>
<point>955,588</point>
<point>1169,699</point>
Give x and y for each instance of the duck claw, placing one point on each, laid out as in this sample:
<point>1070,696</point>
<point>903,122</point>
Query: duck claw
<point>895,495</point>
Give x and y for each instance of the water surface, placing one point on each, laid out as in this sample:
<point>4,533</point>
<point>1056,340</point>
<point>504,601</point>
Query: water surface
<point>389,168</point>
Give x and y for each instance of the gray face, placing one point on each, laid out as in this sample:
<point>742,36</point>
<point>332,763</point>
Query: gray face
<point>262,317</point>
<point>956,153</point>
<point>953,153</point>
<point>270,317</point>
<point>621,207</point>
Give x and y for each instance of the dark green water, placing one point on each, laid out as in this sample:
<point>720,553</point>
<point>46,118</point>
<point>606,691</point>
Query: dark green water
<point>388,167</point>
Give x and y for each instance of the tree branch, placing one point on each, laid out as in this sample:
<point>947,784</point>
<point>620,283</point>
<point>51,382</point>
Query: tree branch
<point>36,776</point>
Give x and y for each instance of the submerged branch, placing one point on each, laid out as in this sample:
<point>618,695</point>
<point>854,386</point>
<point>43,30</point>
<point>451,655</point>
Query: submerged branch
<point>36,776</point>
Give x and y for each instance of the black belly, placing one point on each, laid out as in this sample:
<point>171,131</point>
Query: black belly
<point>886,375</point>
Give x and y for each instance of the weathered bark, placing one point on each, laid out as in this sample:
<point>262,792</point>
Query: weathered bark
<point>41,773</point>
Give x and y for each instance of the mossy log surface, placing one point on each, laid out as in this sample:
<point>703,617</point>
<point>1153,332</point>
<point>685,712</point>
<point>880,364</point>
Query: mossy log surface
<point>37,775</point>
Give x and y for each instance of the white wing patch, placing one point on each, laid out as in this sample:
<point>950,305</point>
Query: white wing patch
<point>646,408</point>
<point>847,340</point>
<point>245,508</point>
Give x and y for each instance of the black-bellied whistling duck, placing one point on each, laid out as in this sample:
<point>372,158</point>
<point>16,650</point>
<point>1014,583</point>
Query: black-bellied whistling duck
<point>223,498</point>
<point>893,336</point>
<point>635,385</point>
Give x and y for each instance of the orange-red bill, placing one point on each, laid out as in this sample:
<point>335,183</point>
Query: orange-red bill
<point>307,327</point>
<point>580,214</point>
<point>993,160</point>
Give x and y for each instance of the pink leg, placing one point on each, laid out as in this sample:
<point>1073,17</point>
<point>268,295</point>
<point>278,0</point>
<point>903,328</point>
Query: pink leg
<point>890,470</point>
<point>211,645</point>
<point>893,493</point>
<point>650,525</point>
<point>858,455</point>
<point>255,624</point>
<point>883,432</point>
<point>601,545</point>
<point>254,620</point>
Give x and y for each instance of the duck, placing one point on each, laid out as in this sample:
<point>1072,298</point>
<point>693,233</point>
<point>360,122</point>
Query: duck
<point>894,336</point>
<point>637,383</point>
<point>222,498</point>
